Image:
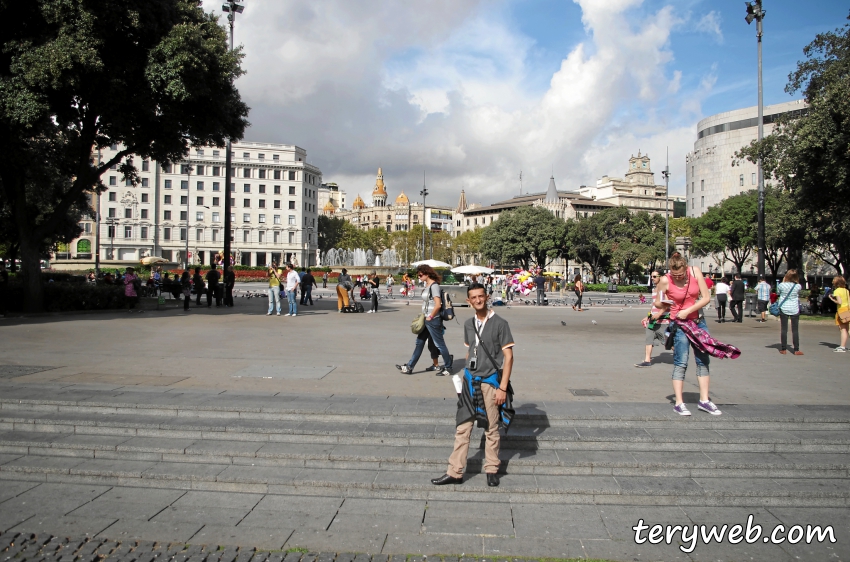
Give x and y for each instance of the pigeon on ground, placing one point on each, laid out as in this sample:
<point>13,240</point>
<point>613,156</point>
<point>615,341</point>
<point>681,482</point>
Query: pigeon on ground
<point>621,310</point>
<point>593,321</point>
<point>563,323</point>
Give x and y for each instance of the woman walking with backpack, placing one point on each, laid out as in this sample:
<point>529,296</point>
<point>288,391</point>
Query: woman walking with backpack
<point>789,309</point>
<point>432,307</point>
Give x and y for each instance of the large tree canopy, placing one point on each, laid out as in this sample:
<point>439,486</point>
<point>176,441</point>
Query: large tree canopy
<point>153,76</point>
<point>525,235</point>
<point>728,229</point>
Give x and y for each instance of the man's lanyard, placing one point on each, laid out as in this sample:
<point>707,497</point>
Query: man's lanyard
<point>479,325</point>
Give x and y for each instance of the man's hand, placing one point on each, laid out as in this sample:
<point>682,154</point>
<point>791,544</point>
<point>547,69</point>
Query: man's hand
<point>501,396</point>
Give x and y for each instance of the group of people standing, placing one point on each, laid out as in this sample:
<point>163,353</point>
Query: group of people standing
<point>290,280</point>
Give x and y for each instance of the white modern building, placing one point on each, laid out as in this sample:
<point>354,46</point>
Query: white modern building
<point>180,206</point>
<point>710,175</point>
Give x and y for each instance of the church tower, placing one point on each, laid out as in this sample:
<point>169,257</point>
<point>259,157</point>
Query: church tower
<point>461,204</point>
<point>379,194</point>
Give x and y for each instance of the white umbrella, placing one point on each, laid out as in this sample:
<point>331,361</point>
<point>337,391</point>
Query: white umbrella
<point>472,269</point>
<point>150,260</point>
<point>432,263</point>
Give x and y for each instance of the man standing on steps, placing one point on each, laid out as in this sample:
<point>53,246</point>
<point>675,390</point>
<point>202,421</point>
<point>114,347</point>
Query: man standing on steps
<point>490,345</point>
<point>737,293</point>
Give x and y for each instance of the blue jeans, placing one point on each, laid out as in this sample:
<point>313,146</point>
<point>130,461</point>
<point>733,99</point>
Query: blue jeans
<point>681,351</point>
<point>274,299</point>
<point>433,328</point>
<point>293,306</point>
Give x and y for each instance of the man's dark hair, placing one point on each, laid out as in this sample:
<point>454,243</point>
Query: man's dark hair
<point>737,276</point>
<point>289,266</point>
<point>197,270</point>
<point>474,286</point>
<point>308,271</point>
<point>761,277</point>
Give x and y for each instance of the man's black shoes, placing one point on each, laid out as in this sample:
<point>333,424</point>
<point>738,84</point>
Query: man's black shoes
<point>492,480</point>
<point>446,479</point>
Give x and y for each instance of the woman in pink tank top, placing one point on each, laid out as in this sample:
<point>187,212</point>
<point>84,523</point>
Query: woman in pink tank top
<point>683,292</point>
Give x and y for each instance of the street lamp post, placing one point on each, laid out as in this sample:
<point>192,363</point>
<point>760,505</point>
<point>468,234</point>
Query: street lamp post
<point>188,191</point>
<point>755,12</point>
<point>424,194</point>
<point>231,8</point>
<point>666,174</point>
<point>97,229</point>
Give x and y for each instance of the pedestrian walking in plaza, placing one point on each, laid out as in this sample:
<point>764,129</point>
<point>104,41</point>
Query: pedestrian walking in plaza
<point>540,285</point>
<point>325,280</point>
<point>132,285</point>
<point>275,276</point>
<point>229,282</point>
<point>763,297</point>
<point>655,325</point>
<point>212,287</point>
<point>344,285</point>
<point>373,284</point>
<point>721,293</point>
<point>198,285</point>
<point>579,291</point>
<point>685,293</point>
<point>390,283</point>
<point>486,380</point>
<point>841,297</point>
<point>789,309</point>
<point>307,284</point>
<point>432,306</point>
<point>292,282</point>
<point>186,288</point>
<point>737,292</point>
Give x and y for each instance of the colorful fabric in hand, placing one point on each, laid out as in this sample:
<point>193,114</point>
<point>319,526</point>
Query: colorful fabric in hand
<point>703,341</point>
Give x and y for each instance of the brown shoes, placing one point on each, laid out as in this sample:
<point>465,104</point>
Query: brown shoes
<point>798,353</point>
<point>782,351</point>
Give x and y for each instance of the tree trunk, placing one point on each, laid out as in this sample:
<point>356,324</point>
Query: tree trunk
<point>31,268</point>
<point>13,257</point>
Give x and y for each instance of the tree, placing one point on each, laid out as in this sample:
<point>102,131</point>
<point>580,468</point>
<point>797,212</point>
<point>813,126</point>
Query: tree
<point>585,239</point>
<point>376,239</point>
<point>728,229</point>
<point>152,76</point>
<point>351,237</point>
<point>525,235</point>
<point>808,155</point>
<point>468,245</point>
<point>330,232</point>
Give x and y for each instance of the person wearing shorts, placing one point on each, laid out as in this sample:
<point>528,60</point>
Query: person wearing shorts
<point>655,335</point>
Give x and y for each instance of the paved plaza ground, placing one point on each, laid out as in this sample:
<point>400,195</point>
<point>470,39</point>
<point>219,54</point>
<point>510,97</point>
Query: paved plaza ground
<point>135,436</point>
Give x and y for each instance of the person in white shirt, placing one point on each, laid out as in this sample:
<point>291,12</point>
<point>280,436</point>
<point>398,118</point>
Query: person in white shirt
<point>721,291</point>
<point>292,282</point>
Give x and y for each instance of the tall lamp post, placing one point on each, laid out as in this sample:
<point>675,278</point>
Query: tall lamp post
<point>97,230</point>
<point>666,174</point>
<point>755,12</point>
<point>424,194</point>
<point>188,219</point>
<point>231,8</point>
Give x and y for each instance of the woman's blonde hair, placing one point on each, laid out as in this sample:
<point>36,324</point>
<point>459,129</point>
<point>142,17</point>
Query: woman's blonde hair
<point>676,261</point>
<point>791,276</point>
<point>838,282</point>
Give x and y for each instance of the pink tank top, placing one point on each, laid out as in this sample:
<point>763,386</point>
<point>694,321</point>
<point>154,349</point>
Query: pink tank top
<point>683,297</point>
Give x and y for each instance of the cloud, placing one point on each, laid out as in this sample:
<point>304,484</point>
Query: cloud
<point>440,86</point>
<point>710,24</point>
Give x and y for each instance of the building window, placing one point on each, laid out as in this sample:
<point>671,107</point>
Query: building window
<point>216,186</point>
<point>144,213</point>
<point>200,186</point>
<point>277,219</point>
<point>199,215</point>
<point>146,165</point>
<point>184,184</point>
<point>184,199</point>
<point>291,237</point>
<point>113,196</point>
<point>277,204</point>
<point>215,217</point>
<point>702,185</point>
<point>246,217</point>
<point>113,180</point>
<point>199,151</point>
<point>292,190</point>
<point>166,215</point>
<point>215,202</point>
<point>144,233</point>
<point>261,157</point>
<point>167,199</point>
<point>166,234</point>
<point>199,234</point>
<point>702,201</point>
<point>291,176</point>
<point>128,232</point>
<point>232,201</point>
<point>199,170</point>
<point>246,235</point>
<point>262,218</point>
<point>276,237</point>
<point>276,173</point>
<point>292,219</point>
<point>261,174</point>
<point>246,202</point>
<point>184,215</point>
<point>741,180</point>
<point>292,204</point>
<point>183,234</point>
<point>216,171</point>
<point>754,179</point>
<point>262,188</point>
<point>184,169</point>
<point>166,168</point>
<point>215,235</point>
<point>111,212</point>
<point>232,187</point>
<point>145,182</point>
<point>167,184</point>
<point>246,188</point>
<point>199,200</point>
<point>246,156</point>
<point>277,190</point>
<point>246,172</point>
<point>216,153</point>
<point>111,231</point>
<point>144,197</point>
<point>261,236</point>
<point>262,203</point>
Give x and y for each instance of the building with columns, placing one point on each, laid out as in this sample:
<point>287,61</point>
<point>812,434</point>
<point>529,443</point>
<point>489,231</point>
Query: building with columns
<point>274,208</point>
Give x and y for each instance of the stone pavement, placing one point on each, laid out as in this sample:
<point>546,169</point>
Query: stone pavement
<point>133,437</point>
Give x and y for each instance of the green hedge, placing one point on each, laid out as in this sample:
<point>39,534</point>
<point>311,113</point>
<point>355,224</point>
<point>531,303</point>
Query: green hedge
<point>603,288</point>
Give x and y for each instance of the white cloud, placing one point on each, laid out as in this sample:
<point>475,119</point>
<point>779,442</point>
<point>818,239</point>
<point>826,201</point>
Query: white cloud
<point>439,86</point>
<point>710,24</point>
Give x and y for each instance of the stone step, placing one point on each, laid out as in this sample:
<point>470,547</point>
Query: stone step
<point>431,459</point>
<point>521,437</point>
<point>378,483</point>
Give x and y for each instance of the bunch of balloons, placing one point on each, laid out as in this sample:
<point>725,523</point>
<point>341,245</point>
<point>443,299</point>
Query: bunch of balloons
<point>523,282</point>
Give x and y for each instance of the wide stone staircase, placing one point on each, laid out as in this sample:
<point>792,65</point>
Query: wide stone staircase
<point>389,447</point>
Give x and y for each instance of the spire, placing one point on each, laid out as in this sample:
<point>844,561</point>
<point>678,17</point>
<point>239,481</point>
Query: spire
<point>461,205</point>
<point>552,192</point>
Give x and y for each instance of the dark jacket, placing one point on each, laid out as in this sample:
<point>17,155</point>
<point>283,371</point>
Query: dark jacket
<point>470,405</point>
<point>737,290</point>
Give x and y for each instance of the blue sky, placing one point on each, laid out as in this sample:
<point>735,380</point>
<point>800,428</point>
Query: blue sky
<point>473,91</point>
